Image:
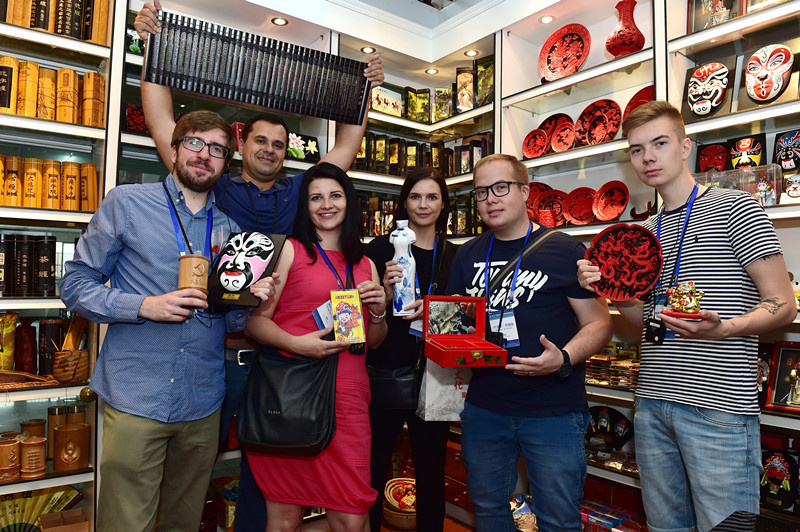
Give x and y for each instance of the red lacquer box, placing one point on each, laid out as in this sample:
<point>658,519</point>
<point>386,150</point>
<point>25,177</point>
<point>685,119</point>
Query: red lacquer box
<point>453,339</point>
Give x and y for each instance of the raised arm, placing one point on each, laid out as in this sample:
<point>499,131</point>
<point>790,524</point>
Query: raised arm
<point>348,139</point>
<point>156,99</point>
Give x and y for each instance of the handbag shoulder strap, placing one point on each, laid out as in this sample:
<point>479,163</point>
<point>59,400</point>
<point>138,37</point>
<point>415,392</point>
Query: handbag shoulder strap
<point>512,262</point>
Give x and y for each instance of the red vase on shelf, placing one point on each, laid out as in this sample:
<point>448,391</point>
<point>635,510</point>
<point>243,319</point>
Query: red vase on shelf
<point>626,37</point>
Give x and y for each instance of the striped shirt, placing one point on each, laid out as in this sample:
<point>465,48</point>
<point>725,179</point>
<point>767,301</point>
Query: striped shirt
<point>727,231</point>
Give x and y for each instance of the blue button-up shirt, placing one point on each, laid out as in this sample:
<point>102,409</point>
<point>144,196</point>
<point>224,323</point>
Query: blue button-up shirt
<point>165,371</point>
<point>267,211</point>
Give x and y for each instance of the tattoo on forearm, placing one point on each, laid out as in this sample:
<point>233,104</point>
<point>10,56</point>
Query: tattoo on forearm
<point>773,305</point>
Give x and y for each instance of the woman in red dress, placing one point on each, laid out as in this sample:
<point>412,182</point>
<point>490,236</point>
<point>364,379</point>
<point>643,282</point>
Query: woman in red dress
<point>324,251</point>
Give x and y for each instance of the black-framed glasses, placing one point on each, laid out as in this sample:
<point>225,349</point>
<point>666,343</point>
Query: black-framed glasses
<point>499,189</point>
<point>196,145</point>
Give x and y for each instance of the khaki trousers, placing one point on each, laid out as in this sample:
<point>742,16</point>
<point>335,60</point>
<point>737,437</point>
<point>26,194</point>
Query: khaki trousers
<point>154,473</point>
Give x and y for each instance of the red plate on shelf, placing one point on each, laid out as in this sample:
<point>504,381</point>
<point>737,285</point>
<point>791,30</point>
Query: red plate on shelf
<point>629,258</point>
<point>647,94</point>
<point>564,52</point>
<point>578,206</point>
<point>610,201</point>
<point>536,188</point>
<point>535,144</point>
<point>550,123</point>
<point>599,122</point>
<point>551,200</point>
<point>563,137</point>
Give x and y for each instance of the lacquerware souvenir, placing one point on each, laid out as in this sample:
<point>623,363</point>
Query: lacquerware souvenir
<point>599,122</point>
<point>563,137</point>
<point>767,72</point>
<point>550,123</point>
<point>577,208</point>
<point>647,94</point>
<point>564,52</point>
<point>706,88</point>
<point>630,261</point>
<point>747,151</point>
<point>535,188</point>
<point>610,201</point>
<point>626,37</point>
<point>535,144</point>
<point>552,200</point>
<point>712,157</point>
<point>683,301</point>
<point>609,425</point>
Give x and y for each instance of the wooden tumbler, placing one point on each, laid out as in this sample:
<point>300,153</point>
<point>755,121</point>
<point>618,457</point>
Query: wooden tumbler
<point>56,415</point>
<point>28,90</point>
<point>51,184</point>
<point>71,447</point>
<point>88,187</point>
<point>31,182</point>
<point>33,455</point>
<point>9,460</point>
<point>13,181</point>
<point>34,427</point>
<point>46,96</point>
<point>70,186</point>
<point>67,96</point>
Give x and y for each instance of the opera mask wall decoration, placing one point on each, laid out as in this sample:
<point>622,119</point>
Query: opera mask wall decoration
<point>767,72</point>
<point>787,151</point>
<point>746,152</point>
<point>706,88</point>
<point>712,157</point>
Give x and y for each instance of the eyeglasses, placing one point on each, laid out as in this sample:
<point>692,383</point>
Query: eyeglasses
<point>196,145</point>
<point>499,189</point>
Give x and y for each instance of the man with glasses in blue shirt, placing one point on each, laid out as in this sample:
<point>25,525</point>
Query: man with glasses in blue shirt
<point>536,405</point>
<point>160,370</point>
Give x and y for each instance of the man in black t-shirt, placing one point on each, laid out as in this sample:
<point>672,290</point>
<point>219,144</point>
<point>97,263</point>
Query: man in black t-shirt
<point>535,405</point>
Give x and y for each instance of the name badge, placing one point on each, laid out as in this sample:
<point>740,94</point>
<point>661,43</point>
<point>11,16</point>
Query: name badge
<point>660,303</point>
<point>509,326</point>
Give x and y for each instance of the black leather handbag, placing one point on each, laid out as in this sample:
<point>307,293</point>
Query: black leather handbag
<point>397,388</point>
<point>288,404</point>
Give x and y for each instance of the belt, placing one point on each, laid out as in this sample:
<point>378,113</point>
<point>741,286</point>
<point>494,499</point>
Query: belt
<point>243,357</point>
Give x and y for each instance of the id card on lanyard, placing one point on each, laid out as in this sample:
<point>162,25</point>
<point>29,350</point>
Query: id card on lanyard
<point>503,321</point>
<point>415,329</point>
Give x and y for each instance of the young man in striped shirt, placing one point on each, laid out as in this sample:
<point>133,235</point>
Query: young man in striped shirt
<point>697,429</point>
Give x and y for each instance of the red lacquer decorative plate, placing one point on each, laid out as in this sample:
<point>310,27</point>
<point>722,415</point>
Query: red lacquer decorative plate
<point>536,188</point>
<point>647,94</point>
<point>564,52</point>
<point>553,200</point>
<point>535,144</point>
<point>610,201</point>
<point>599,122</point>
<point>563,137</point>
<point>578,206</point>
<point>629,258</point>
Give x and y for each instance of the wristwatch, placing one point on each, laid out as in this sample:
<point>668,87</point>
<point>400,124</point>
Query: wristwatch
<point>566,368</point>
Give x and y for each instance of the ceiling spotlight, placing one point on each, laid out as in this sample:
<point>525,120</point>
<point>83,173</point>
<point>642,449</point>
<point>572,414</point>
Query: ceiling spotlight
<point>471,53</point>
<point>280,21</point>
<point>547,19</point>
<point>368,50</point>
<point>432,71</point>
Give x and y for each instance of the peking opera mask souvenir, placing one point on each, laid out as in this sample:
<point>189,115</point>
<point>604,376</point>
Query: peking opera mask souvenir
<point>712,157</point>
<point>767,72</point>
<point>706,88</point>
<point>746,152</point>
<point>787,151</point>
<point>245,258</point>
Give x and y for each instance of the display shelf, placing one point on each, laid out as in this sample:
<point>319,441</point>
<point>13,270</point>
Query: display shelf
<point>768,419</point>
<point>48,216</point>
<point>586,85</point>
<point>375,178</point>
<point>613,476</point>
<point>733,30</point>
<point>133,59</point>
<point>382,118</point>
<point>53,127</point>
<point>59,47</point>
<point>769,118</point>
<point>605,394</point>
<point>50,481</point>
<point>30,303</point>
<point>458,126</point>
<point>51,392</point>
<point>576,159</point>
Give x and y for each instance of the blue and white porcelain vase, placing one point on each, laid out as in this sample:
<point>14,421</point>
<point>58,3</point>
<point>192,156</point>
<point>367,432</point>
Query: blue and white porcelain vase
<point>404,294</point>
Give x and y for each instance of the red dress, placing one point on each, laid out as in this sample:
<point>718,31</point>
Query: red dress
<point>339,477</point>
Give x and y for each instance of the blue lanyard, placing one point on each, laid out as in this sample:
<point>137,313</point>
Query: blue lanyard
<point>347,269</point>
<point>692,197</point>
<point>516,269</point>
<point>433,269</point>
<point>181,234</point>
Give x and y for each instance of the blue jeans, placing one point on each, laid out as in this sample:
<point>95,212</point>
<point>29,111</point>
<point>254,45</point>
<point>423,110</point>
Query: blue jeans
<point>235,380</point>
<point>554,455</point>
<point>697,465</point>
